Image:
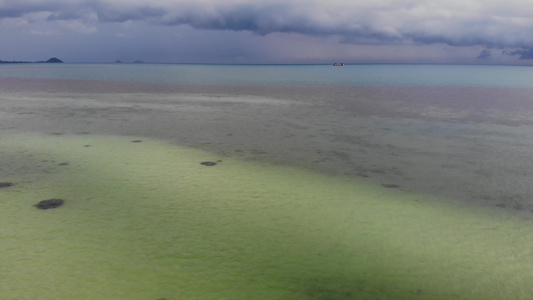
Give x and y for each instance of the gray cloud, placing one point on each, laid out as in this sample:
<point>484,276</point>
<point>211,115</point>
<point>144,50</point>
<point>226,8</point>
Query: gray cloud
<point>484,54</point>
<point>468,23</point>
<point>106,11</point>
<point>262,19</point>
<point>105,14</point>
<point>265,18</point>
<point>356,23</point>
<point>15,9</point>
<point>522,54</point>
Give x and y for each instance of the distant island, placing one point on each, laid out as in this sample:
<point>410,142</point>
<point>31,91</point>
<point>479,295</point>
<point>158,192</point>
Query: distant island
<point>53,60</point>
<point>136,62</point>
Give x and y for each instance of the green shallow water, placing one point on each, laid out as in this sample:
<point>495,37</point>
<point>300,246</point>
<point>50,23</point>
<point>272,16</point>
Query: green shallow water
<point>147,221</point>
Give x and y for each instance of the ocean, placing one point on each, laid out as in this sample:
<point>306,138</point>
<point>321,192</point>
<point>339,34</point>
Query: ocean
<point>284,75</point>
<point>355,182</point>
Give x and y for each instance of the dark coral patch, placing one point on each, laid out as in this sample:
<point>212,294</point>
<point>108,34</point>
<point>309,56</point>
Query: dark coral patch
<point>5,184</point>
<point>50,203</point>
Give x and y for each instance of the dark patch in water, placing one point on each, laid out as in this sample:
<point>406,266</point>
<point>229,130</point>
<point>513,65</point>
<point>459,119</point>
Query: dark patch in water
<point>49,204</point>
<point>87,146</point>
<point>64,164</point>
<point>56,133</point>
<point>136,141</point>
<point>328,289</point>
<point>257,152</point>
<point>5,184</point>
<point>208,163</point>
<point>390,185</point>
<point>378,171</point>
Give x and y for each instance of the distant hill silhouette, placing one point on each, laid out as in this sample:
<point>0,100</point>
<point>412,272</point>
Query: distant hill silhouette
<point>51,60</point>
<point>54,60</point>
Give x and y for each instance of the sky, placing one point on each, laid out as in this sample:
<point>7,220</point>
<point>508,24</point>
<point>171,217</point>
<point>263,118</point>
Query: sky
<point>269,31</point>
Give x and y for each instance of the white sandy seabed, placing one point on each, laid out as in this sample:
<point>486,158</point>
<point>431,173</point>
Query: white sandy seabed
<point>146,220</point>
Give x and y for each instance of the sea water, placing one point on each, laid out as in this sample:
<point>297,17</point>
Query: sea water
<point>343,192</point>
<point>284,75</point>
<point>146,220</point>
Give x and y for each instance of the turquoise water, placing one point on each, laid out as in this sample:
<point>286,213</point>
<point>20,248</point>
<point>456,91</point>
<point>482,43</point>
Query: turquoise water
<point>284,75</point>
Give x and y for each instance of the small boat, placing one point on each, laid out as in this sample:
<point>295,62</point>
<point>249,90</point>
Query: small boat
<point>338,64</point>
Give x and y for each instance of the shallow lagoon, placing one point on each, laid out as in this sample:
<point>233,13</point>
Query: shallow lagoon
<point>322,193</point>
<point>148,221</point>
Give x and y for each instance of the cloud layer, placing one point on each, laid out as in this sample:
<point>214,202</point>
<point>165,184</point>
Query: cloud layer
<point>457,23</point>
<point>485,23</point>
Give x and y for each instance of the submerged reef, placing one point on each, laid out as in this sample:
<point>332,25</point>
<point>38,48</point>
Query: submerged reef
<point>50,203</point>
<point>5,184</point>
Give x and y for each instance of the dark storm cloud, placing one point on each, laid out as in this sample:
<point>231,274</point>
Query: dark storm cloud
<point>261,19</point>
<point>484,54</point>
<point>15,9</point>
<point>267,18</point>
<point>107,13</point>
<point>358,23</point>
<point>79,10</point>
<point>455,23</point>
<point>522,54</point>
